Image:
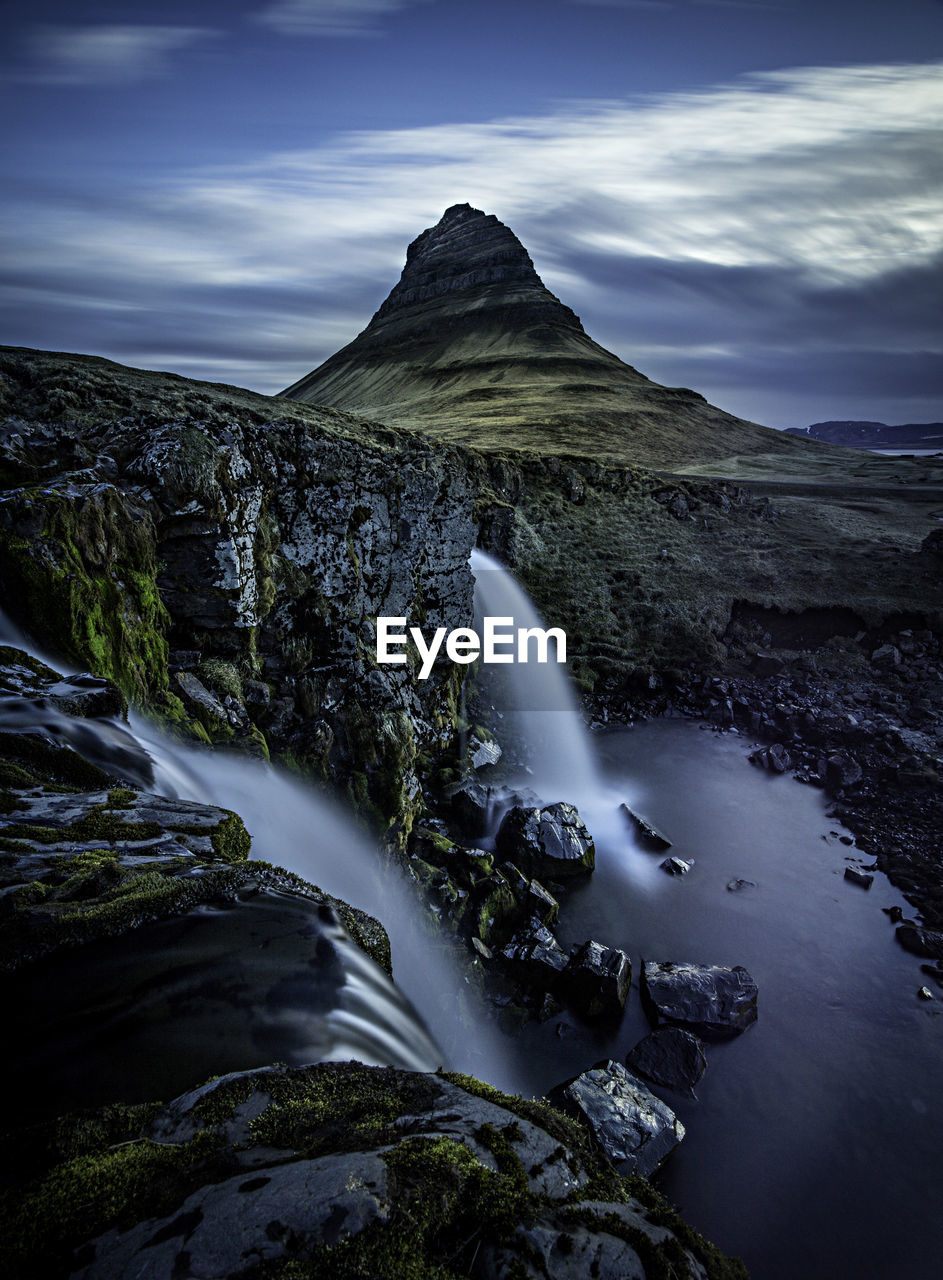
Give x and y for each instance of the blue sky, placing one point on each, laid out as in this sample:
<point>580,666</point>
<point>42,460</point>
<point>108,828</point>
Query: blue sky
<point>740,196</point>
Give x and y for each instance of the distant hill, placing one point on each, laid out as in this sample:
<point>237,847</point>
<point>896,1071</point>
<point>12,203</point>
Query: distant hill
<point>874,435</point>
<point>471,347</point>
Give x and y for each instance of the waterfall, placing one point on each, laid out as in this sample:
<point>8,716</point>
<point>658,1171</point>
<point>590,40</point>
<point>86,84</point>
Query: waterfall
<point>535,697</point>
<point>294,827</point>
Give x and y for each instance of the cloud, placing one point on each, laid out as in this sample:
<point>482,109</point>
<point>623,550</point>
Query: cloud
<point>106,54</point>
<point>329,17</point>
<point>731,240</point>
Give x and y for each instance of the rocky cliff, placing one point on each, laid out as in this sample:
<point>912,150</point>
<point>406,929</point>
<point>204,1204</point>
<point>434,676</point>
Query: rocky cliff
<point>226,565</point>
<point>471,347</point>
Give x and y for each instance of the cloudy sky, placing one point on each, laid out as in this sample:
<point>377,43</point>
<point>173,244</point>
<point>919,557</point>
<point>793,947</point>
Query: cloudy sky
<point>740,196</point>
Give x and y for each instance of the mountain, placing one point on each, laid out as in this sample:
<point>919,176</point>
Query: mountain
<point>471,347</point>
<point>874,435</point>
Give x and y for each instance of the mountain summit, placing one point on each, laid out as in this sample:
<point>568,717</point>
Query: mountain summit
<point>471,347</point>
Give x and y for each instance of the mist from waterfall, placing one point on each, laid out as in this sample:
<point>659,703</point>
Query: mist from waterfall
<point>535,697</point>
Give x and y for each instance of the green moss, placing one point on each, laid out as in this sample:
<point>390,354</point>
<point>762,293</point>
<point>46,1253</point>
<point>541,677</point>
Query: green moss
<point>230,839</point>
<point>87,583</point>
<point>97,1190</point>
<point>221,676</point>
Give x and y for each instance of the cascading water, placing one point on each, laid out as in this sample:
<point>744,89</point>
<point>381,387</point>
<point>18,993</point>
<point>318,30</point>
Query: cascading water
<point>535,696</point>
<point>354,1013</point>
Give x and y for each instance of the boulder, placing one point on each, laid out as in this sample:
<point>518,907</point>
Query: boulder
<point>596,980</point>
<point>841,771</point>
<point>862,878</point>
<point>713,1001</point>
<point>921,942</point>
<point>677,866</point>
<point>534,957</point>
<point>472,804</point>
<point>273,1170</point>
<point>646,833</point>
<point>635,1129</point>
<point>552,843</point>
<point>670,1057</point>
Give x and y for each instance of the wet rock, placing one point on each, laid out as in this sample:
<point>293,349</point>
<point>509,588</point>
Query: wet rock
<point>648,834</point>
<point>677,866</point>
<point>250,1219</point>
<point>264,1169</point>
<point>483,751</point>
<point>596,980</point>
<point>775,758</point>
<point>861,878</point>
<point>842,771</point>
<point>636,1130</point>
<point>532,898</point>
<point>925,993</point>
<point>927,943</point>
<point>471,803</point>
<point>551,843</point>
<point>713,1001</point>
<point>738,885</point>
<point>670,1057</point>
<point>534,957</point>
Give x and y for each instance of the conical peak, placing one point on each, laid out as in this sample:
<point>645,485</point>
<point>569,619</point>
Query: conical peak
<point>466,254</point>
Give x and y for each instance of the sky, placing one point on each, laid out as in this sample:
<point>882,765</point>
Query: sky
<point>744,197</point>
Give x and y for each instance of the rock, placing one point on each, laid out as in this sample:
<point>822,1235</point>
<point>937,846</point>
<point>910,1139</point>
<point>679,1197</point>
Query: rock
<point>648,834</point>
<point>888,655</point>
<point>472,804</point>
<point>677,866</point>
<point>532,898</point>
<point>737,886</point>
<point>670,1057</point>
<point>861,878</point>
<point>927,943</point>
<point>596,980</point>
<point>275,1168</point>
<point>552,843</point>
<point>925,993</point>
<point>534,957</point>
<point>767,664</point>
<point>483,751</point>
<point>636,1130</point>
<point>775,758</point>
<point>842,771</point>
<point>713,1001</point>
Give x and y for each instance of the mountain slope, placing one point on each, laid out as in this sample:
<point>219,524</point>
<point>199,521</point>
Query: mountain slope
<point>471,347</point>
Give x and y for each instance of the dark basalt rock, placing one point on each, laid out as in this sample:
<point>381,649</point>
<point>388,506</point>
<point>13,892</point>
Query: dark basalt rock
<point>711,1000</point>
<point>862,878</point>
<point>677,866</point>
<point>596,980</point>
<point>552,843</point>
<point>648,834</point>
<point>670,1057</point>
<point>636,1130</point>
<point>921,942</point>
<point>534,957</point>
<point>274,1169</point>
<point>472,802</point>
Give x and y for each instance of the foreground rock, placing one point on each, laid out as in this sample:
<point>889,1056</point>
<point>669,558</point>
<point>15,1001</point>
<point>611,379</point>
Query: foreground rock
<point>713,1001</point>
<point>550,843</point>
<point>648,834</point>
<point>338,1169</point>
<point>634,1128</point>
<point>670,1057</point>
